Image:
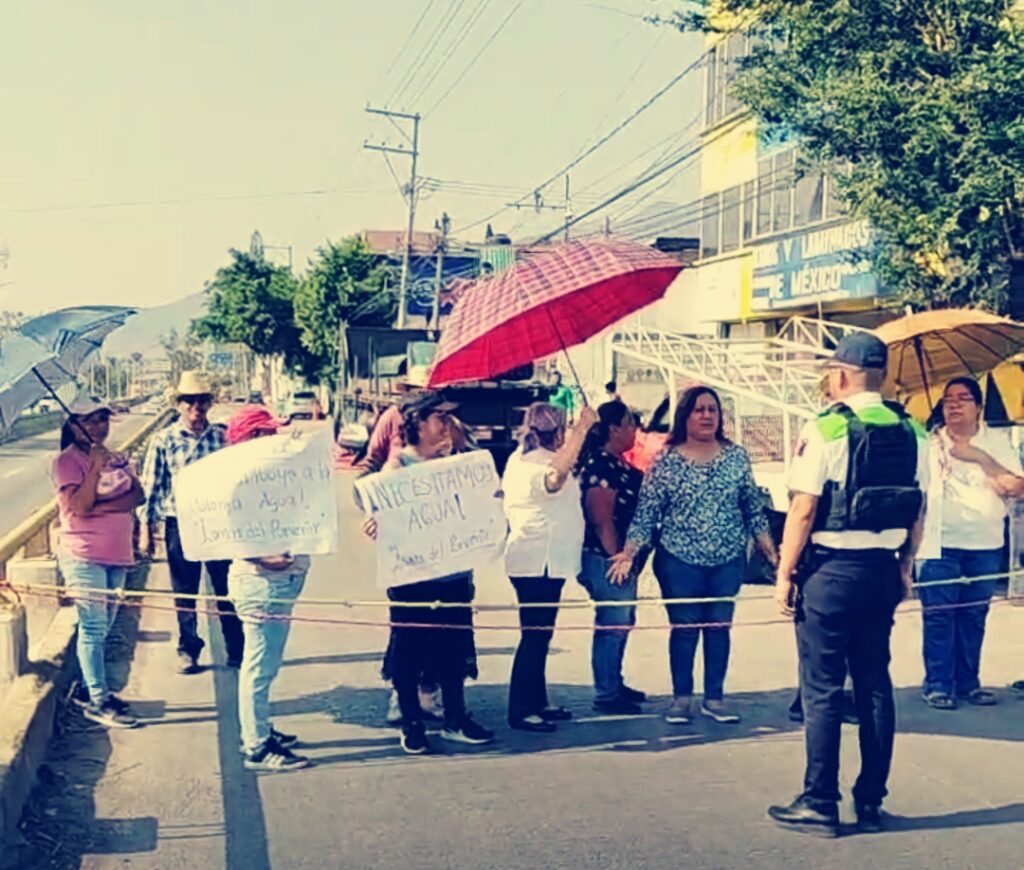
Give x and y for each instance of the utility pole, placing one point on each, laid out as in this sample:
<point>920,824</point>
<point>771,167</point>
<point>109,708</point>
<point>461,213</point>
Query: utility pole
<point>568,207</point>
<point>409,193</point>
<point>442,226</point>
<point>538,205</point>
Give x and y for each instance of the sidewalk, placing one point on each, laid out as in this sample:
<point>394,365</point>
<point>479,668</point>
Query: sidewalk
<point>602,792</point>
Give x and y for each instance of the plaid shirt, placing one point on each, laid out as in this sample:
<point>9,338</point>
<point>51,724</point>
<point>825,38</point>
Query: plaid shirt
<point>169,452</point>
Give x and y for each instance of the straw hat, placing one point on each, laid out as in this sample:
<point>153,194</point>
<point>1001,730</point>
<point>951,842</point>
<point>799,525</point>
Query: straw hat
<point>193,384</point>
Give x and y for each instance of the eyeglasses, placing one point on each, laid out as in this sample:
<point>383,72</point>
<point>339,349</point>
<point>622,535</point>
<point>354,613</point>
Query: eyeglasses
<point>958,400</point>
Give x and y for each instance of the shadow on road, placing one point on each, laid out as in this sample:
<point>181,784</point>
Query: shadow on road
<point>59,824</point>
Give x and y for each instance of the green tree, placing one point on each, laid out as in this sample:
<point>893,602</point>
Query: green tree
<point>251,302</point>
<point>183,352</point>
<point>920,103</point>
<point>345,282</point>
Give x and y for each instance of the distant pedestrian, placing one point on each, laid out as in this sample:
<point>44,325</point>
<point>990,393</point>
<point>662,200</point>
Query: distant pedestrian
<point>264,592</point>
<point>562,396</point>
<point>700,500</point>
<point>611,392</point>
<point>188,440</point>
<point>97,491</point>
<point>856,502</point>
<point>418,651</point>
<point>542,504</point>
<point>973,469</point>
<point>611,489</point>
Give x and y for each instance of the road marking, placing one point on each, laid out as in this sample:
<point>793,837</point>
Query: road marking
<point>12,473</point>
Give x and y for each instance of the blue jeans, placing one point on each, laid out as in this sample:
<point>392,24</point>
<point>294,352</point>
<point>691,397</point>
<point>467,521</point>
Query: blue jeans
<point>265,624</point>
<point>681,580</point>
<point>95,616</point>
<point>609,647</point>
<point>953,634</point>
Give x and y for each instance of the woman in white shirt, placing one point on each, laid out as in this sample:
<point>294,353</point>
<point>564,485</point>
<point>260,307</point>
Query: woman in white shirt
<point>973,469</point>
<point>544,547</point>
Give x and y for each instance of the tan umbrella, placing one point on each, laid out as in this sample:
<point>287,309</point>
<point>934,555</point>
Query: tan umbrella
<point>929,348</point>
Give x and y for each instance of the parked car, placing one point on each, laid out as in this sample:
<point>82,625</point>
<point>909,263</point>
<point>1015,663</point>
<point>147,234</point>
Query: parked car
<point>256,397</point>
<point>302,405</point>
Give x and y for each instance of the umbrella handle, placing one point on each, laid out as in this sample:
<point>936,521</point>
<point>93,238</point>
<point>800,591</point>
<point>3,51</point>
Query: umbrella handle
<point>568,359</point>
<point>60,401</point>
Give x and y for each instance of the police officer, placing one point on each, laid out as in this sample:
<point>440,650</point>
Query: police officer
<point>856,505</point>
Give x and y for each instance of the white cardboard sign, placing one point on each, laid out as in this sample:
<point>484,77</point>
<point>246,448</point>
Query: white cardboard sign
<point>267,496</point>
<point>435,518</point>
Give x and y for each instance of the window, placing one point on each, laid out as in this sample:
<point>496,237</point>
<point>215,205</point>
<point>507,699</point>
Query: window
<point>782,210</point>
<point>808,195</point>
<point>834,206</point>
<point>765,191</point>
<point>711,88</point>
<point>749,207</point>
<point>731,219</point>
<point>709,226</point>
<point>722,62</point>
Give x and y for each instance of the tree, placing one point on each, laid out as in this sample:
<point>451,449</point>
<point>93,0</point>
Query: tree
<point>251,302</point>
<point>346,282</point>
<point>915,108</point>
<point>182,352</point>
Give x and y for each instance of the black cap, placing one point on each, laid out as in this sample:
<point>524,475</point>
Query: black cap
<point>426,402</point>
<point>861,350</point>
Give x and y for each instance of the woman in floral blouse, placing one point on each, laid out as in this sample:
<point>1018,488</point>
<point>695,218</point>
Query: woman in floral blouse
<point>699,506</point>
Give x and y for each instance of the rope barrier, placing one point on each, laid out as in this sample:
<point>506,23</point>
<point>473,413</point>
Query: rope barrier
<point>125,594</point>
<point>128,599</point>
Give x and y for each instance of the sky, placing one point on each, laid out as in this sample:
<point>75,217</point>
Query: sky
<point>140,141</point>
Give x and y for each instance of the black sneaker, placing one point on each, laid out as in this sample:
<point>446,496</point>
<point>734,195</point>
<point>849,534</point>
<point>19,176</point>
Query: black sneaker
<point>119,705</point>
<point>634,695</point>
<point>469,732</point>
<point>818,820</point>
<point>869,818</point>
<point>285,740</point>
<point>274,758</point>
<point>188,663</point>
<point>619,707</point>
<point>104,714</point>
<point>414,740</point>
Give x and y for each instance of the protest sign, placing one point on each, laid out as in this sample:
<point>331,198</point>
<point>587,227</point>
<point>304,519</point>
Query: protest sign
<point>264,497</point>
<point>435,518</point>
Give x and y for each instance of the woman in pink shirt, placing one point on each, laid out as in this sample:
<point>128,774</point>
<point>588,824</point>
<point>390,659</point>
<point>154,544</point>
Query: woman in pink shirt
<point>97,492</point>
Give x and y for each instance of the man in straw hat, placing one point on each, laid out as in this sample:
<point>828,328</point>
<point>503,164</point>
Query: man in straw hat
<point>188,440</point>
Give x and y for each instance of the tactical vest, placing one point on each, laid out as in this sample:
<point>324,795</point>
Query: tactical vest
<point>881,490</point>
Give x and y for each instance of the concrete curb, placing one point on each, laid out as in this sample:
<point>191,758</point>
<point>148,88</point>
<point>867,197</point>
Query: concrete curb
<point>27,719</point>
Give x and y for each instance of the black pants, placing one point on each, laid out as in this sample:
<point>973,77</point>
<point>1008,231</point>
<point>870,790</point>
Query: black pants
<point>528,690</point>
<point>421,649</point>
<point>846,616</point>
<point>185,577</point>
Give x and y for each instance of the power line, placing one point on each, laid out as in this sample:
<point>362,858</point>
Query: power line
<point>456,43</point>
<point>409,38</point>
<point>689,68</point>
<point>429,45</point>
<point>476,57</point>
<point>647,179</point>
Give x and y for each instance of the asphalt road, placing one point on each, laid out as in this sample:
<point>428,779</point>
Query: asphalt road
<point>604,792</point>
<point>25,469</point>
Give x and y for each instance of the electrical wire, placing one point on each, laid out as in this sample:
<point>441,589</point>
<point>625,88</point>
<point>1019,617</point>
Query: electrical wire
<point>476,57</point>
<point>409,38</point>
<point>425,51</point>
<point>452,50</point>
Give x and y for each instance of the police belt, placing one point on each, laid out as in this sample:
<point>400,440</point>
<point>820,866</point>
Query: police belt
<point>872,554</point>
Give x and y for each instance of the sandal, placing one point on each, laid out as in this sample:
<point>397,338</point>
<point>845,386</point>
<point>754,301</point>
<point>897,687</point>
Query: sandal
<point>940,701</point>
<point>981,698</point>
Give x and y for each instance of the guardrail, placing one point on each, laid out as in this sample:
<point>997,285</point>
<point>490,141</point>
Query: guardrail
<point>31,538</point>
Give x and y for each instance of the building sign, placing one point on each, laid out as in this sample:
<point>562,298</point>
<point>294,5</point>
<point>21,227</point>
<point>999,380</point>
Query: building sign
<point>813,267</point>
<point>423,281</point>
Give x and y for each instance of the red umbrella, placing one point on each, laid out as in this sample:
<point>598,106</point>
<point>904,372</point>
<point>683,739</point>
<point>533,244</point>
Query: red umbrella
<point>548,303</point>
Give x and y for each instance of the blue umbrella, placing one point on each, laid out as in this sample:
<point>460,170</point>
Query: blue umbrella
<point>46,354</point>
<point>74,333</point>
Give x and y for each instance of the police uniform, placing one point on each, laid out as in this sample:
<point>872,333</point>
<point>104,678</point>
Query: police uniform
<point>850,586</point>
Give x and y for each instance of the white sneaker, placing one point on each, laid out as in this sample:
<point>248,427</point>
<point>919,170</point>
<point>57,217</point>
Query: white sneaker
<point>394,714</point>
<point>717,711</point>
<point>678,712</point>
<point>431,705</point>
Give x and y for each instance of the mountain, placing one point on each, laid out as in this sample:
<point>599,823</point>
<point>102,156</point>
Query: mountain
<point>143,331</point>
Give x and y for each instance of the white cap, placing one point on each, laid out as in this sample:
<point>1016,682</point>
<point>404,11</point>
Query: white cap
<point>83,406</point>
